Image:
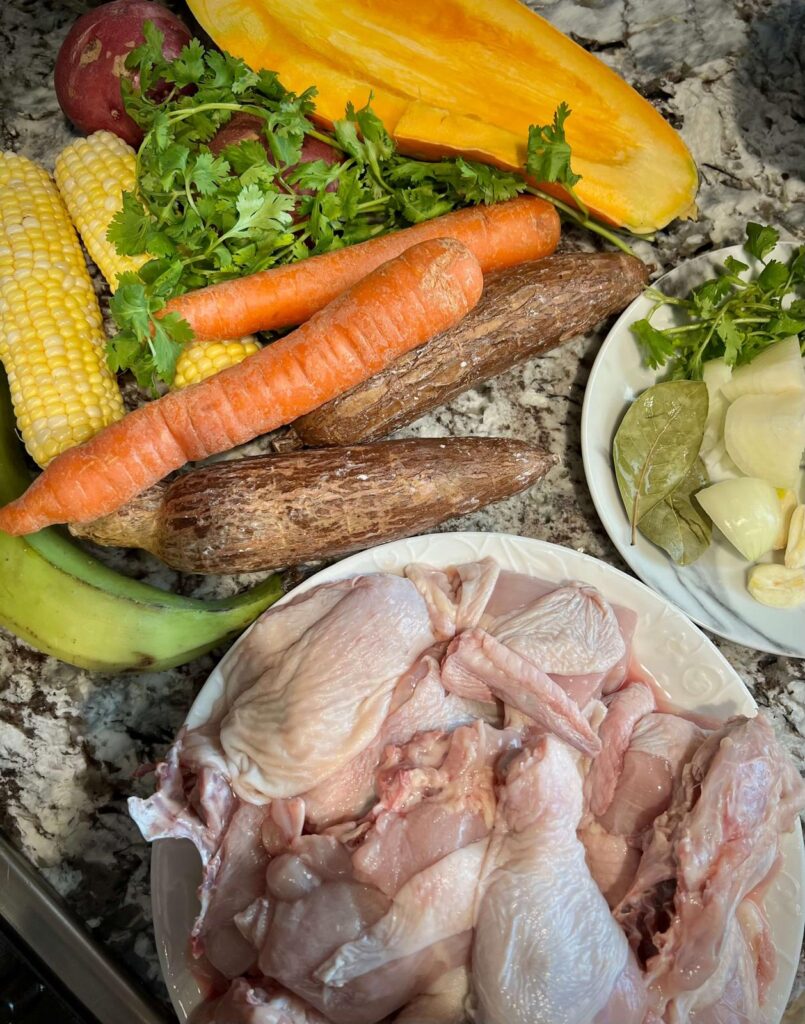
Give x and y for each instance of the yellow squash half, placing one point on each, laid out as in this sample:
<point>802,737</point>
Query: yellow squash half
<point>468,77</point>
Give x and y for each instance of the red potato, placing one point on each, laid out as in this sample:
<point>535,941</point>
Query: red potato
<point>91,63</point>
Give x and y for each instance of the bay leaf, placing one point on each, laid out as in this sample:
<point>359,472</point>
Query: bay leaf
<point>678,524</point>
<point>657,443</point>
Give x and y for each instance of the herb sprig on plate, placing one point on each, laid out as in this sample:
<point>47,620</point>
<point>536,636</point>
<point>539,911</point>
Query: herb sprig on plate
<point>204,218</point>
<point>731,316</point>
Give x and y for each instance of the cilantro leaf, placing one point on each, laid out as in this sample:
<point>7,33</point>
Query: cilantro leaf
<point>130,227</point>
<point>657,346</point>
<point>548,153</point>
<point>773,276</point>
<point>188,67</point>
<point>760,240</point>
<point>208,172</point>
<point>264,211</point>
<point>731,335</point>
<point>171,334</point>
<point>244,156</point>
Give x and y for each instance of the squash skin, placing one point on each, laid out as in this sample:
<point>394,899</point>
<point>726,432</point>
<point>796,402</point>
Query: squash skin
<point>468,77</point>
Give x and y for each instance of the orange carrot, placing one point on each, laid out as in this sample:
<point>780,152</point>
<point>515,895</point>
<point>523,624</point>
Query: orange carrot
<point>397,307</point>
<point>521,229</point>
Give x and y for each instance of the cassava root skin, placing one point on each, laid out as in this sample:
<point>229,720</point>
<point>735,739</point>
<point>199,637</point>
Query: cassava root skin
<point>524,311</point>
<point>273,511</point>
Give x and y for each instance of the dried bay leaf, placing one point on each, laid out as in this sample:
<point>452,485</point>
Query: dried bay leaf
<point>657,444</point>
<point>677,523</point>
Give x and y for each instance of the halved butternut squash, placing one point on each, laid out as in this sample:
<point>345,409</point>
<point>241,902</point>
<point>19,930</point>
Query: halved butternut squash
<point>469,77</point>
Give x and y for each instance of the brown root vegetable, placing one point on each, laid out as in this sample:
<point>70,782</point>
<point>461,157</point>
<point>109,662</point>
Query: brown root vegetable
<point>272,511</point>
<point>91,63</point>
<point>524,311</point>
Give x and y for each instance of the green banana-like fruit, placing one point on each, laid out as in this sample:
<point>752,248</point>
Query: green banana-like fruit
<point>65,603</point>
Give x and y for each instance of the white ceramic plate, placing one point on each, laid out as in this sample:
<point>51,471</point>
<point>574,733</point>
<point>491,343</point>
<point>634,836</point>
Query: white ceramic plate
<point>712,591</point>
<point>680,657</point>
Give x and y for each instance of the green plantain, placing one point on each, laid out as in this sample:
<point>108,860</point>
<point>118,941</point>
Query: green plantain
<point>65,603</point>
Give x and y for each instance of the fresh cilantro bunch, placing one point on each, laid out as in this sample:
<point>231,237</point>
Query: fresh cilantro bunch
<point>730,317</point>
<point>203,218</point>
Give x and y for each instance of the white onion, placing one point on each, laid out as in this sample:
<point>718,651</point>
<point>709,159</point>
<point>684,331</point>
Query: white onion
<point>764,436</point>
<point>747,511</point>
<point>777,370</point>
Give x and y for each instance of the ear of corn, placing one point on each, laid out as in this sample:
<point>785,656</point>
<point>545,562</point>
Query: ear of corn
<point>52,343</point>
<point>202,359</point>
<point>92,174</point>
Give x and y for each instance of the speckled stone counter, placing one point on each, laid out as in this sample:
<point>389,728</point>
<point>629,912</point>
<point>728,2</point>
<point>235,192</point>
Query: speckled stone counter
<point>731,76</point>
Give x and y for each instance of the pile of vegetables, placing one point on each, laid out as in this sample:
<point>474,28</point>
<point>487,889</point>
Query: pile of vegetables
<point>233,178</point>
<point>237,214</point>
<point>722,441</point>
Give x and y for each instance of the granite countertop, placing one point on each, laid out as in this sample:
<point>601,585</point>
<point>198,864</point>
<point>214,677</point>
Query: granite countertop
<point>730,74</point>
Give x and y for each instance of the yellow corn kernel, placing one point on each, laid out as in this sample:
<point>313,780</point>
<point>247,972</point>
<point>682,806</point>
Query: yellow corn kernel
<point>92,174</point>
<point>202,359</point>
<point>52,343</point>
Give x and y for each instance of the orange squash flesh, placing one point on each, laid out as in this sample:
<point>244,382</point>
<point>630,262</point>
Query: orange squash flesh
<point>468,77</point>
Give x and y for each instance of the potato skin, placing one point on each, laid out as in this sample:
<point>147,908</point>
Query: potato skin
<point>272,511</point>
<point>524,311</point>
<point>90,63</point>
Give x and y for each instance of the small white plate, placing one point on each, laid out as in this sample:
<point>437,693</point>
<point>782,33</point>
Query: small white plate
<point>712,591</point>
<point>681,658</point>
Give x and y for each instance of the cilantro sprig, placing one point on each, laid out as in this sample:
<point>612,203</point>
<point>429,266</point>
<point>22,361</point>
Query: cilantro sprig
<point>732,316</point>
<point>202,217</point>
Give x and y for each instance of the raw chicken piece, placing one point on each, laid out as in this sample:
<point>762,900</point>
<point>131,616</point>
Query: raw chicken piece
<point>515,595</point>
<point>312,905</point>
<point>435,905</point>
<point>423,706</point>
<point>612,859</point>
<point>456,598</point>
<point>570,631</point>
<point>310,685</point>
<point>476,661</point>
<point>426,812</point>
<point>232,880</point>
<point>660,747</point>
<point>198,809</point>
<point>718,841</point>
<point>625,708</point>
<point>732,995</point>
<point>245,1004</point>
<point>546,949</point>
<point>442,1003</point>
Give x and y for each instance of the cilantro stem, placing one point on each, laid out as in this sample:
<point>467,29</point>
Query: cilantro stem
<point>584,222</point>
<point>330,140</point>
<point>373,204</point>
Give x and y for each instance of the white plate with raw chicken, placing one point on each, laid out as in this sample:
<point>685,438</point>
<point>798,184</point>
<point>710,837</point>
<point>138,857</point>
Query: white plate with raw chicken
<point>608,847</point>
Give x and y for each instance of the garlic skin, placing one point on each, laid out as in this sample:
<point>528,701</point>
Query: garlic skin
<point>788,502</point>
<point>795,546</point>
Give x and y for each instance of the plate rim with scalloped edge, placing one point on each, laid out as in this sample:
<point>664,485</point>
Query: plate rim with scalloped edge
<point>682,659</point>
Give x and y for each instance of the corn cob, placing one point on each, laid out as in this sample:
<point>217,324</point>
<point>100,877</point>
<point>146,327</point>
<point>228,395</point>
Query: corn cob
<point>52,342</point>
<point>201,359</point>
<point>92,174</point>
